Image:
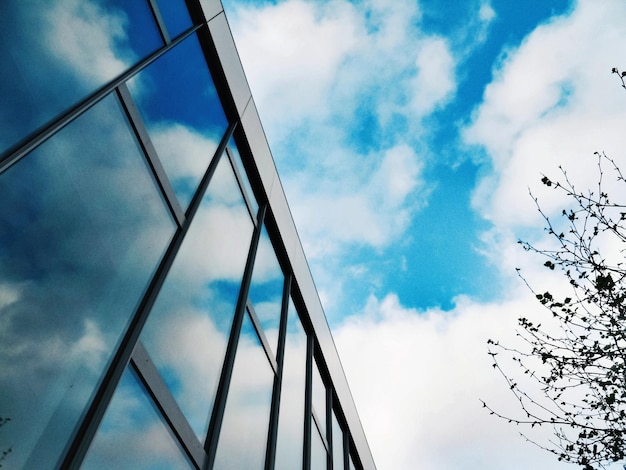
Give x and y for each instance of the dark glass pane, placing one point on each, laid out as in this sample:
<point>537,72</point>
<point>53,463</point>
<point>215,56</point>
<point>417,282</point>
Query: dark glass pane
<point>266,289</point>
<point>133,434</point>
<point>183,114</point>
<point>188,328</point>
<point>175,15</point>
<point>290,439</point>
<point>318,451</point>
<point>243,436</point>
<point>319,400</point>
<point>54,53</point>
<point>337,445</point>
<point>82,227</point>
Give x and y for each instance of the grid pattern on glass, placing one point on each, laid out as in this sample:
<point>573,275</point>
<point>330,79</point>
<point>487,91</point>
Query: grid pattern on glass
<point>319,455</point>
<point>182,113</point>
<point>290,437</point>
<point>82,228</point>
<point>266,289</point>
<point>48,61</point>
<point>244,431</point>
<point>188,329</point>
<point>133,433</point>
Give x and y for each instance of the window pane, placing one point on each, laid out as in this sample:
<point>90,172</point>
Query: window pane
<point>54,53</point>
<point>318,450</point>
<point>266,289</point>
<point>183,114</point>
<point>243,436</point>
<point>133,434</point>
<point>175,15</point>
<point>188,328</point>
<point>236,156</point>
<point>290,439</point>
<point>82,227</point>
<point>319,400</point>
<point>337,445</point>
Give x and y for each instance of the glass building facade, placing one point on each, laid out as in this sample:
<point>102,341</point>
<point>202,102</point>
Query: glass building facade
<point>156,308</point>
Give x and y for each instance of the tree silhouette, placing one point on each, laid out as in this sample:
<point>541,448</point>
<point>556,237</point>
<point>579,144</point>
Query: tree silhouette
<point>573,363</point>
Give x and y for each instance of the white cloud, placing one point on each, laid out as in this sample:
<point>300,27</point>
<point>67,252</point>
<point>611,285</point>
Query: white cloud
<point>327,76</point>
<point>377,211</point>
<point>417,377</point>
<point>434,82</point>
<point>553,102</point>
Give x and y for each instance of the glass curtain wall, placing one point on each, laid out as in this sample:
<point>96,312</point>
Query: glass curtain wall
<point>148,317</point>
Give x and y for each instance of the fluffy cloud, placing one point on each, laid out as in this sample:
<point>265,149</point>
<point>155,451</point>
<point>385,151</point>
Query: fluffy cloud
<point>321,74</point>
<point>417,377</point>
<point>553,102</point>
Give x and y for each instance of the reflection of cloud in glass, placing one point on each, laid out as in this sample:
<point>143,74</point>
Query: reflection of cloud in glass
<point>183,114</point>
<point>337,444</point>
<point>133,435</point>
<point>82,227</point>
<point>244,430</point>
<point>266,288</point>
<point>289,443</point>
<point>53,54</point>
<point>187,331</point>
<point>185,154</point>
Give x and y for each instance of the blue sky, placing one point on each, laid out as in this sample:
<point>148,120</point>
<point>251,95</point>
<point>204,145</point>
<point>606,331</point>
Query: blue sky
<point>407,134</point>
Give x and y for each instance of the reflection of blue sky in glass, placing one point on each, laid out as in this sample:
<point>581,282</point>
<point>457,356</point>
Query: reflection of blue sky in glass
<point>188,328</point>
<point>175,15</point>
<point>290,437</point>
<point>133,434</point>
<point>243,434</point>
<point>183,114</point>
<point>48,61</point>
<point>266,288</point>
<point>82,227</point>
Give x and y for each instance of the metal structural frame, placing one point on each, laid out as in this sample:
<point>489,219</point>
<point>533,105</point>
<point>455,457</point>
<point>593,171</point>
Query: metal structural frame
<point>213,31</point>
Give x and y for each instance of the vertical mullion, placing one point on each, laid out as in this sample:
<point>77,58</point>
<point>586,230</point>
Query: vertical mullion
<point>270,451</point>
<point>156,12</point>
<point>346,450</point>
<point>219,406</point>
<point>308,404</point>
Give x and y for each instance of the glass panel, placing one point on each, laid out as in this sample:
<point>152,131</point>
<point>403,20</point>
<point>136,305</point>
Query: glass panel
<point>290,438</point>
<point>247,188</point>
<point>266,289</point>
<point>175,15</point>
<point>82,227</point>
<point>318,450</point>
<point>351,462</point>
<point>243,436</point>
<point>319,400</point>
<point>54,53</point>
<point>188,328</point>
<point>133,434</point>
<point>182,113</point>
<point>337,445</point>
